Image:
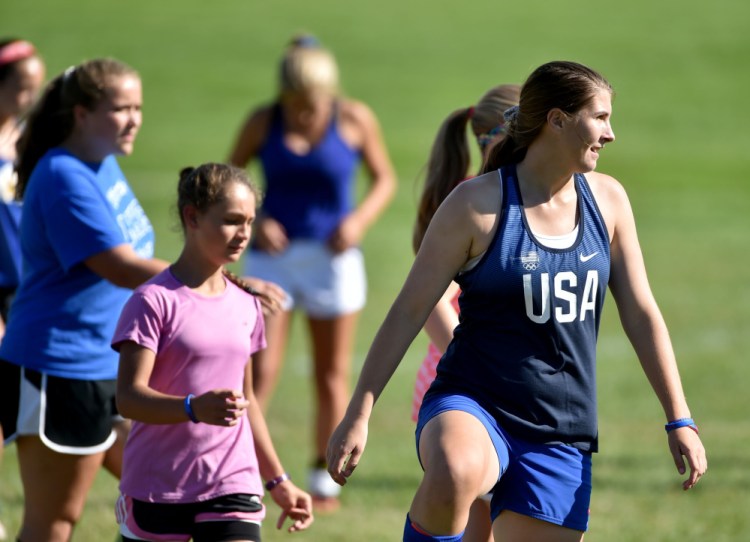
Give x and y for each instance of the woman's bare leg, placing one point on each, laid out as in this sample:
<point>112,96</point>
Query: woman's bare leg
<point>55,489</point>
<point>512,527</point>
<point>460,464</point>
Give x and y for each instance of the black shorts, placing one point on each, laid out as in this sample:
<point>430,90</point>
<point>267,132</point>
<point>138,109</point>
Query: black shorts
<point>225,518</point>
<point>69,416</point>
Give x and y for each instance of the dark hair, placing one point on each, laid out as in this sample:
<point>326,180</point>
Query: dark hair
<point>23,50</point>
<point>563,85</point>
<point>204,186</point>
<point>450,157</point>
<point>51,120</point>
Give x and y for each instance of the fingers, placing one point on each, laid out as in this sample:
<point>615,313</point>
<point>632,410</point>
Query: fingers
<point>281,520</point>
<point>302,519</point>
<point>688,452</point>
<point>271,236</point>
<point>342,462</point>
<point>698,466</point>
<point>273,296</point>
<point>220,407</point>
<point>299,510</point>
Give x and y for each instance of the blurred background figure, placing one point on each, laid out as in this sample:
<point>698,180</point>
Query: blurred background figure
<point>86,242</point>
<point>449,164</point>
<point>310,142</point>
<point>21,76</point>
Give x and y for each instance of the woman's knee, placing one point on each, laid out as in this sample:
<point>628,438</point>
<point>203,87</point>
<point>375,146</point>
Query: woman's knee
<point>457,454</point>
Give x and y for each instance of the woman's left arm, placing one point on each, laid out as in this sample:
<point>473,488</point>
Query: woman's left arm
<point>295,503</point>
<point>646,329</point>
<point>360,120</point>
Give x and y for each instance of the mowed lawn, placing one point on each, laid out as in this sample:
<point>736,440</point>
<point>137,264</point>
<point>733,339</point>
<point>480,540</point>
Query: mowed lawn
<point>680,72</point>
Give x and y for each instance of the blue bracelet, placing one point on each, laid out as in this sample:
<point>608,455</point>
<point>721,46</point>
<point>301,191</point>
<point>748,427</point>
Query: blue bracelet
<point>189,408</point>
<point>682,422</point>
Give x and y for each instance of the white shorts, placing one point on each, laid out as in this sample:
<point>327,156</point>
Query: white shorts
<point>323,284</point>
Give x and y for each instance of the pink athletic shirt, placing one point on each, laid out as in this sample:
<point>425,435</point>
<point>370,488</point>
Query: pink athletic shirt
<point>428,370</point>
<point>201,343</point>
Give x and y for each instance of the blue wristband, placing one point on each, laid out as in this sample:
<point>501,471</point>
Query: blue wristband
<point>682,422</point>
<point>189,408</point>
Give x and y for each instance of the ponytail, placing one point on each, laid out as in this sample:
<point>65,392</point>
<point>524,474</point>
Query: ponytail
<point>503,153</point>
<point>48,124</point>
<point>447,166</point>
<point>243,285</point>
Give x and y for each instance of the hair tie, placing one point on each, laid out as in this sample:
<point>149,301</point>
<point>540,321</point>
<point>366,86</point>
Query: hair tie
<point>68,73</point>
<point>15,51</point>
<point>485,139</point>
<point>511,114</point>
<point>470,112</point>
<point>307,42</point>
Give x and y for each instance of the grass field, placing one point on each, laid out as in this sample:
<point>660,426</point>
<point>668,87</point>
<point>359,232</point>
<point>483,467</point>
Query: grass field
<point>680,116</point>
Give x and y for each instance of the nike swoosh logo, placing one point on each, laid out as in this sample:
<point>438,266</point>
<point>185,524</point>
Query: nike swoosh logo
<point>587,258</point>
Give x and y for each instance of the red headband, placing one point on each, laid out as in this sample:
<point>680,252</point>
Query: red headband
<point>15,51</point>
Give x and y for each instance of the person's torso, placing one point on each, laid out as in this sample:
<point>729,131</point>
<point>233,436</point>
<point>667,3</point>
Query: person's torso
<point>63,316</point>
<point>308,193</point>
<point>529,317</point>
<point>10,221</point>
<point>204,343</point>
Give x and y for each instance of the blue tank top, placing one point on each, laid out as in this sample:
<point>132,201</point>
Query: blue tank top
<point>309,194</point>
<point>525,347</point>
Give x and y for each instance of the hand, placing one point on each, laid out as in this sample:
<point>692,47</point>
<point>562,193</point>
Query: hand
<point>345,447</point>
<point>684,442</point>
<point>220,407</point>
<point>272,296</point>
<point>295,504</point>
<point>270,236</point>
<point>348,234</point>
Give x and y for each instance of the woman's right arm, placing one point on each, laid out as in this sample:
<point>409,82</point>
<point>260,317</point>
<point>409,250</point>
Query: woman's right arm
<point>250,138</point>
<point>460,229</point>
<point>139,401</point>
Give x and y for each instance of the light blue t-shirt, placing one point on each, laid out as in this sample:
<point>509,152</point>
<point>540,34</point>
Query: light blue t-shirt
<point>64,315</point>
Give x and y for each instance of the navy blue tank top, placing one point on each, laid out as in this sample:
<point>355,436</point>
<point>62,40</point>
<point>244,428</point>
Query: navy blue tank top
<point>309,194</point>
<point>525,347</point>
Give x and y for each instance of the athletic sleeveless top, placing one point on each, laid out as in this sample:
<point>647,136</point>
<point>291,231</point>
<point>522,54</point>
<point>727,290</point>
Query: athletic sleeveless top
<point>525,347</point>
<point>310,193</point>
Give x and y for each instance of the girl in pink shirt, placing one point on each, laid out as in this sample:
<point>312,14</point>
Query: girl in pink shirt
<point>199,448</point>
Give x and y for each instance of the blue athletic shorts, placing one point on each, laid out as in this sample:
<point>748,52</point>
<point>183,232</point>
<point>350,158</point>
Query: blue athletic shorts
<point>547,482</point>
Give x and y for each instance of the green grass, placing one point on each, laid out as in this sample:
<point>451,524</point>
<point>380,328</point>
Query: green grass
<point>679,69</point>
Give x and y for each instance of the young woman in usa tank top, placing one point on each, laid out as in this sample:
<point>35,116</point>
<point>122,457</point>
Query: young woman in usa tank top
<point>512,409</point>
